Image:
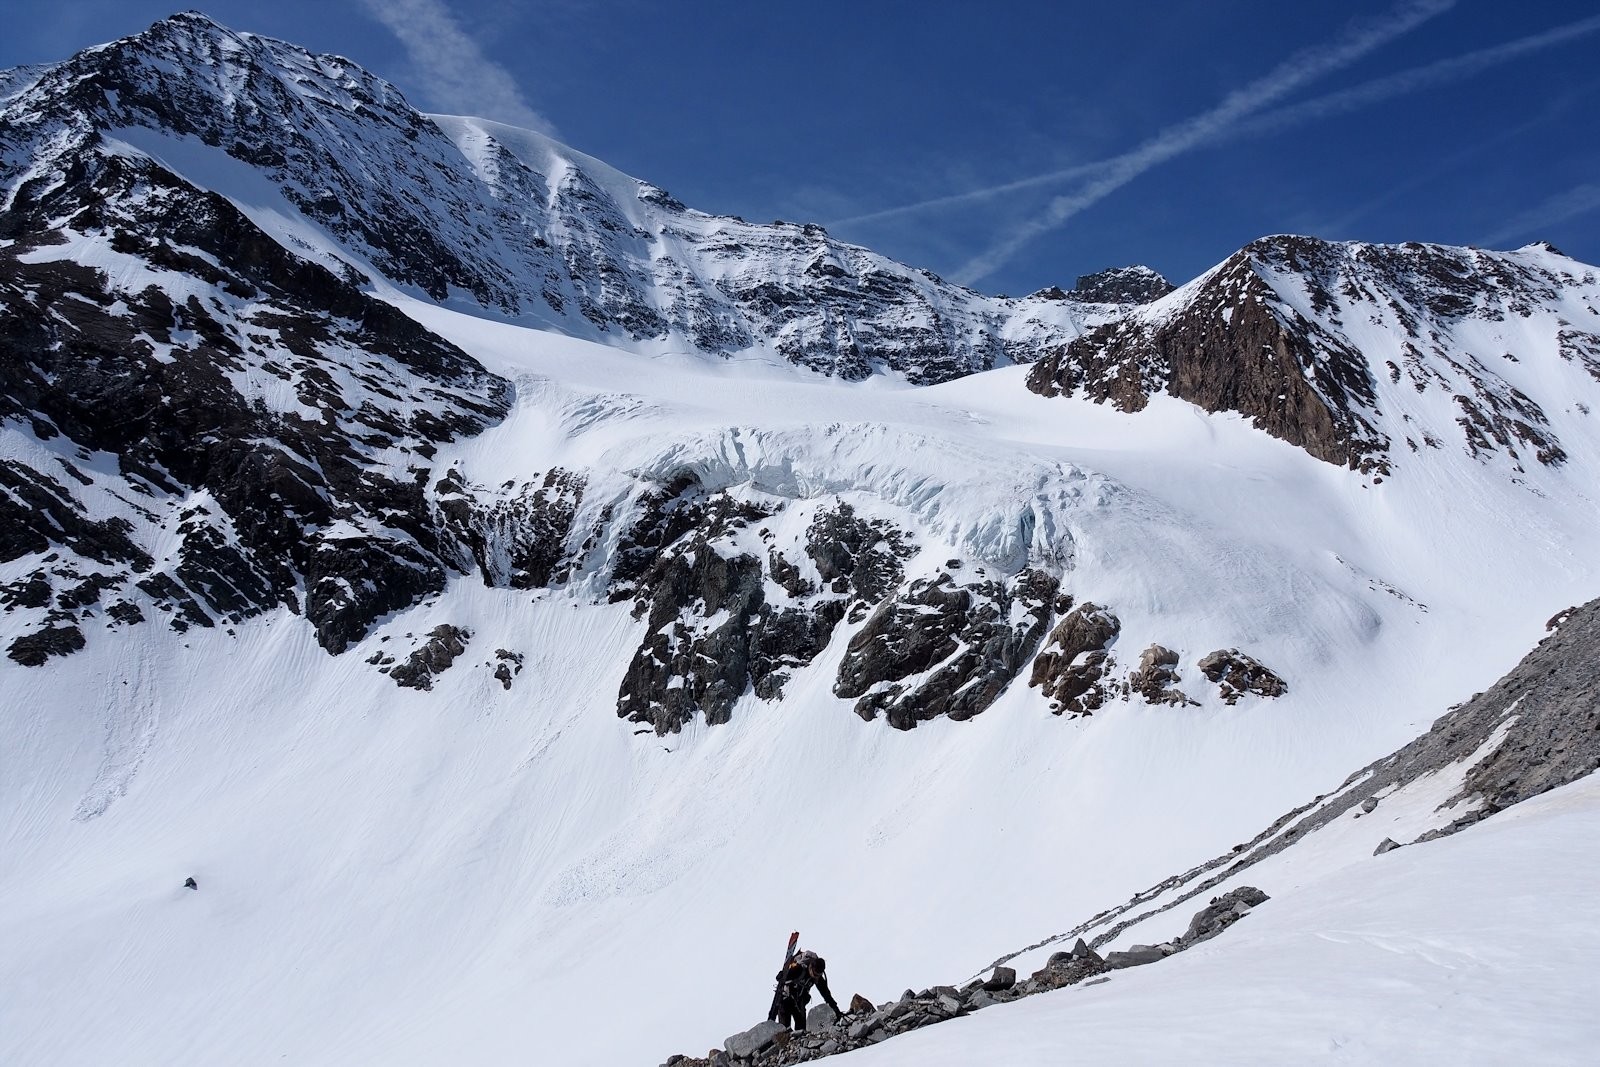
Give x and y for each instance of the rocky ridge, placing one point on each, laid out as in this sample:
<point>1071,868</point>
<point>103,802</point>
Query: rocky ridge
<point>827,1034</point>
<point>508,221</point>
<point>1350,350</point>
<point>1535,729</point>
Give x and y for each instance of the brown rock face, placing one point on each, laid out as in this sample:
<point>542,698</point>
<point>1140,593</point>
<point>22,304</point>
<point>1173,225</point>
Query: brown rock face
<point>1237,674</point>
<point>1309,339</point>
<point>1157,677</point>
<point>1233,347</point>
<point>1073,668</point>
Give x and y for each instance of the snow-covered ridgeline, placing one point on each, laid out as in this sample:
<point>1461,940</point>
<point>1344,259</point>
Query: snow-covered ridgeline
<point>505,221</point>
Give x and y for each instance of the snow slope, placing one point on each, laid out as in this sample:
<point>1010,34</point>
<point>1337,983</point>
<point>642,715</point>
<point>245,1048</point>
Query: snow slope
<point>487,874</point>
<point>484,873</point>
<point>1474,949</point>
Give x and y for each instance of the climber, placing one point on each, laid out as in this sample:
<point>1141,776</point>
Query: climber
<point>799,974</point>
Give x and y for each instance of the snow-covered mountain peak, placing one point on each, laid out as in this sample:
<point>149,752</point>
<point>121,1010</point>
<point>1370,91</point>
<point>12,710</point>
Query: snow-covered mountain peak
<point>413,517</point>
<point>1363,353</point>
<point>497,220</point>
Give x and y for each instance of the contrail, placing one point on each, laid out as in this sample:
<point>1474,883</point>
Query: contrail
<point>457,75</point>
<point>1337,227</point>
<point>1052,178</point>
<point>1410,81</point>
<point>1579,200</point>
<point>1300,69</point>
<point>1373,92</point>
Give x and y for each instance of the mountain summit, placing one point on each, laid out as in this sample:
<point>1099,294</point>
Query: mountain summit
<point>496,219</point>
<point>473,568</point>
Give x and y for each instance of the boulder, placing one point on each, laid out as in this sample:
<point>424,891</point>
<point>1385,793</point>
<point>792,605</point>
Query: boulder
<point>1237,674</point>
<point>864,1028</point>
<point>860,1005</point>
<point>747,1044</point>
<point>821,1017</point>
<point>1064,969</point>
<point>1157,676</point>
<point>1003,978</point>
<point>1135,956</point>
<point>1221,913</point>
<point>1388,844</point>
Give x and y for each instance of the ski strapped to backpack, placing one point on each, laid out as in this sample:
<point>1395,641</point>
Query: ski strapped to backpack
<point>777,990</point>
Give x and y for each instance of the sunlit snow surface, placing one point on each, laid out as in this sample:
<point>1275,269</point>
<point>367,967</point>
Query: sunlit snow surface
<point>479,876</point>
<point>1476,949</point>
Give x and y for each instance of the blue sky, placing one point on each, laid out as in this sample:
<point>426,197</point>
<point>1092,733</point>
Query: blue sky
<point>1009,146</point>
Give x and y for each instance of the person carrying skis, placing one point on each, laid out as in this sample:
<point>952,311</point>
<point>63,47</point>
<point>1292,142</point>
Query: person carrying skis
<point>800,972</point>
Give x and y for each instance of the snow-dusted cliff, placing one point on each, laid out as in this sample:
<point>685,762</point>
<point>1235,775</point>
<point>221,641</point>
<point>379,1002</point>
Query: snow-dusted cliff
<point>320,153</point>
<point>477,569</point>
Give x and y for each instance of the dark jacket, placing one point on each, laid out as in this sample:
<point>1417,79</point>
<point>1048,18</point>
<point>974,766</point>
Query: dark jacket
<point>800,974</point>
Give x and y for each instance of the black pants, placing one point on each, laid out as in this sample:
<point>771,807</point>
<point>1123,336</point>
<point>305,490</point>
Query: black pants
<point>792,1012</point>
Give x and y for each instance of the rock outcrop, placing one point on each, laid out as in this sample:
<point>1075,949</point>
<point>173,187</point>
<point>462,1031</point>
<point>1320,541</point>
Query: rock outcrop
<point>1267,334</point>
<point>437,654</point>
<point>722,621</point>
<point>1156,677</point>
<point>1074,668</point>
<point>1237,674</point>
<point>771,1045</point>
<point>945,647</point>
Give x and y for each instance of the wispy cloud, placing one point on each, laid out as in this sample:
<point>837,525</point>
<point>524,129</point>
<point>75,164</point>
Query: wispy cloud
<point>1418,78</point>
<point>1366,94</point>
<point>1579,200</point>
<point>1452,163</point>
<point>1299,70</point>
<point>456,75</point>
<point>988,192</point>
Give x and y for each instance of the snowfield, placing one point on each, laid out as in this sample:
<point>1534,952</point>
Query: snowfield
<point>1474,949</point>
<point>485,873</point>
<point>480,875</point>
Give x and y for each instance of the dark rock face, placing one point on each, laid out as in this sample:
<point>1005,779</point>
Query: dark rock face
<point>32,650</point>
<point>699,605</point>
<point>1156,678</point>
<point>1074,668</point>
<point>1263,334</point>
<point>1122,285</point>
<point>721,620</point>
<point>957,640</point>
<point>1232,349</point>
<point>517,535</point>
<point>1237,674</point>
<point>783,640</point>
<point>397,189</point>
<point>856,557</point>
<point>690,665</point>
<point>156,383</point>
<point>712,632</point>
<point>445,644</point>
